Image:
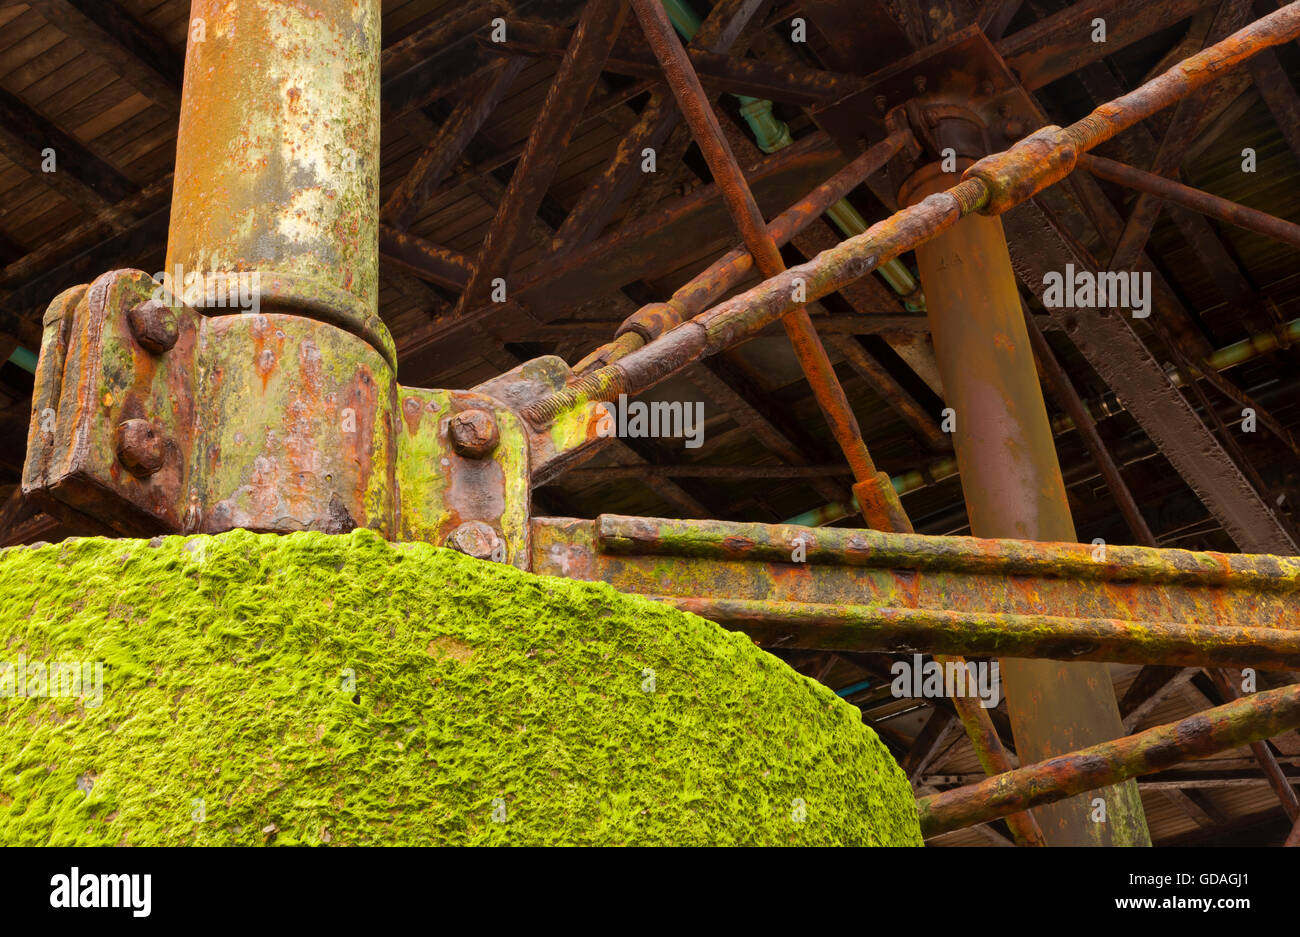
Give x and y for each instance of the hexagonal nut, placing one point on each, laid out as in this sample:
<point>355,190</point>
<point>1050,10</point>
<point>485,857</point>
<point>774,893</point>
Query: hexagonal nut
<point>140,447</point>
<point>153,323</point>
<point>476,539</point>
<point>473,433</point>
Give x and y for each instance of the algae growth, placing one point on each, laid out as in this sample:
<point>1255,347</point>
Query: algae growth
<point>342,689</point>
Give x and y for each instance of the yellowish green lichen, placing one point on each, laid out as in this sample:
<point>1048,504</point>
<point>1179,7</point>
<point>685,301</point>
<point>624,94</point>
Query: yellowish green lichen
<point>488,706</point>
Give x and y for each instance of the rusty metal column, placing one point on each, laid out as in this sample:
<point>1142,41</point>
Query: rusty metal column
<point>1013,488</point>
<point>274,239</point>
<point>277,162</point>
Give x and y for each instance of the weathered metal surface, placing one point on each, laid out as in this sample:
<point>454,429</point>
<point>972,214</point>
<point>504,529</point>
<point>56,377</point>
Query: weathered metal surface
<point>294,429</point>
<point>1058,382</point>
<point>430,262</point>
<point>277,169</point>
<point>649,322</point>
<point>94,376</point>
<point>1098,408</point>
<point>847,28</point>
<point>1012,485</point>
<point>603,107</point>
<point>597,205</point>
<point>997,183</point>
<point>454,134</point>
<point>1190,115</point>
<point>443,489</point>
<point>474,433</point>
<point>866,569</point>
<point>1221,208</point>
<point>728,391</point>
<point>962,68</point>
<point>796,84</point>
<point>694,105</point>
<point>1040,244</point>
<point>1019,639</point>
<point>564,443</point>
<point>1041,159</point>
<point>746,315</point>
<point>1192,73</point>
<point>153,323</point>
<point>1279,94</point>
<point>1227,684</point>
<point>425,465</point>
<point>601,200</point>
<point>1003,440</point>
<point>476,539</point>
<point>267,422</point>
<point>993,757</point>
<point>438,56</point>
<point>141,447</point>
<point>648,247</point>
<point>1060,44</point>
<point>1255,717</point>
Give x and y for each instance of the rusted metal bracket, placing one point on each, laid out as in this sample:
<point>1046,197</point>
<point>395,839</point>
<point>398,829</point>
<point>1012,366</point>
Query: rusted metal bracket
<point>150,417</point>
<point>964,70</point>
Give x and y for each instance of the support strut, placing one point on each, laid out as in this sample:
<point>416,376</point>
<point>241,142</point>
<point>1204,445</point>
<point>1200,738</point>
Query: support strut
<point>1013,488</point>
<point>1256,717</point>
<point>879,501</point>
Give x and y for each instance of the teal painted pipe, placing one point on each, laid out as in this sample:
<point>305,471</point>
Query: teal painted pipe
<point>683,18</point>
<point>24,358</point>
<point>853,688</point>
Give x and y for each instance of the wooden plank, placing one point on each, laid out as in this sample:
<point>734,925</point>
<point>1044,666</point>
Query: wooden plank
<point>602,199</point>
<point>592,40</point>
<point>80,175</point>
<point>142,60</point>
<point>404,205</point>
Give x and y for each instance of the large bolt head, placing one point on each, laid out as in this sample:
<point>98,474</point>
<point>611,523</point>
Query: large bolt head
<point>153,323</point>
<point>477,539</point>
<point>139,447</point>
<point>473,433</point>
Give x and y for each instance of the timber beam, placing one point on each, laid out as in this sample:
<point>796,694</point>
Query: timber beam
<point>720,72</point>
<point>583,59</point>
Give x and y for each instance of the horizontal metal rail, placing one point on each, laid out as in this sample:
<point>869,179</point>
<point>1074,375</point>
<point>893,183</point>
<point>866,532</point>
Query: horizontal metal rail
<point>865,590</point>
<point>988,634</point>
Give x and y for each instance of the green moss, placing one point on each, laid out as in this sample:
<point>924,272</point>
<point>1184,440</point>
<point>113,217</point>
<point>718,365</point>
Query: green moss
<point>477,687</point>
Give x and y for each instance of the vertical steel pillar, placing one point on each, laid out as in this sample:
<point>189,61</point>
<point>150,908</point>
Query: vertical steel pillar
<point>274,237</point>
<point>277,162</point>
<point>1013,488</point>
